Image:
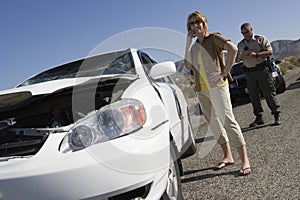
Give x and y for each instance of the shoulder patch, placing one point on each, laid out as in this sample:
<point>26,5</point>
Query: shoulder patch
<point>259,39</point>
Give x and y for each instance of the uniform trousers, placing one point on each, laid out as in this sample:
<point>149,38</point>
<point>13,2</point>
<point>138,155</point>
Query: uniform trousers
<point>262,81</point>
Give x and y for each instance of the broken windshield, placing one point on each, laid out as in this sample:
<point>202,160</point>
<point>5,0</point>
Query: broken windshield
<point>120,62</point>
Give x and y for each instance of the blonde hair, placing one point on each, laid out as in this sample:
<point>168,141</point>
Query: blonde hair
<point>199,16</point>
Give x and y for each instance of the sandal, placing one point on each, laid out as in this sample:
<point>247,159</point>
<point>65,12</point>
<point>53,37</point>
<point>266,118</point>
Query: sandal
<point>222,165</point>
<point>243,172</point>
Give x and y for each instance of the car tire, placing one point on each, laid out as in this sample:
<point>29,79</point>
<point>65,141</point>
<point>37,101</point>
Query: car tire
<point>280,84</point>
<point>173,189</point>
<point>233,99</point>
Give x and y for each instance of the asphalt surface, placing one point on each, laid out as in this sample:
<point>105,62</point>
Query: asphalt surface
<point>274,153</point>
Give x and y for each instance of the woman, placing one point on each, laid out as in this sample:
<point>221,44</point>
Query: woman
<point>205,58</point>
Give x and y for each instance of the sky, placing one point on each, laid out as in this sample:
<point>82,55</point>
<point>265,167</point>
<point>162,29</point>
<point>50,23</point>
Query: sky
<point>39,34</point>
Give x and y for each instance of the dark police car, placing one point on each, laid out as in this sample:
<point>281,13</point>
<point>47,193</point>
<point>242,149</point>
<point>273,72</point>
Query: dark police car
<point>238,87</point>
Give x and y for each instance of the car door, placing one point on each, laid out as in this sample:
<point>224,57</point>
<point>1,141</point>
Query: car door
<point>174,102</point>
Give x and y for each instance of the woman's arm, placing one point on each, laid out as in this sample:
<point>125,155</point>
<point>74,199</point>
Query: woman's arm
<point>188,57</point>
<point>231,54</point>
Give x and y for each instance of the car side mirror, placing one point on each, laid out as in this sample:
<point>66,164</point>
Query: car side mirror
<point>162,69</point>
<point>277,62</point>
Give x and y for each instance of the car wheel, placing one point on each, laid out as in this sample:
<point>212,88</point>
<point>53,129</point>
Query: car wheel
<point>233,99</point>
<point>173,189</point>
<point>280,84</point>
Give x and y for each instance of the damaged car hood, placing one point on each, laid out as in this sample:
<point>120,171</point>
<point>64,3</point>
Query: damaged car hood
<point>16,95</point>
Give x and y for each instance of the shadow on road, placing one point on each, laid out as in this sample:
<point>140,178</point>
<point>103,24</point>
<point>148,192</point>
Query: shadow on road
<point>197,170</point>
<point>206,139</point>
<point>257,127</point>
<point>206,176</point>
<point>294,85</point>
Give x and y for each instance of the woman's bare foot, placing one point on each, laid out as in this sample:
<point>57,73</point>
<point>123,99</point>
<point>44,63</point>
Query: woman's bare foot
<point>245,171</point>
<point>223,164</point>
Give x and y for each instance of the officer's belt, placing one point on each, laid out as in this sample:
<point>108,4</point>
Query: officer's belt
<point>259,67</point>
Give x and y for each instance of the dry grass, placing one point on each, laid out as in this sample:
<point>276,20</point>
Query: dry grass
<point>289,63</point>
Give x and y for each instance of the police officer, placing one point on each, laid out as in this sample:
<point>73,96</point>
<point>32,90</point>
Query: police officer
<point>253,50</point>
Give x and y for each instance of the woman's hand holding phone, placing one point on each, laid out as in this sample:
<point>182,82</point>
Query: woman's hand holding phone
<point>192,34</point>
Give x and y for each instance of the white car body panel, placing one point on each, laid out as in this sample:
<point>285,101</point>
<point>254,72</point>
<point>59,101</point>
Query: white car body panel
<point>104,169</point>
<point>63,173</point>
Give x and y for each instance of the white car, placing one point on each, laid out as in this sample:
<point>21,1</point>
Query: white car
<point>111,126</point>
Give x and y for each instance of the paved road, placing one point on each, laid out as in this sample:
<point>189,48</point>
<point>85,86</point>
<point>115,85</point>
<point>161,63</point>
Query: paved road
<point>274,152</point>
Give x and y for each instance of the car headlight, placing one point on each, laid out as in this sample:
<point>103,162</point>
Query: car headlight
<point>232,85</point>
<point>111,121</point>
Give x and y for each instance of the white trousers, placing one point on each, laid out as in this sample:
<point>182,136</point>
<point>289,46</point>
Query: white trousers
<point>217,109</point>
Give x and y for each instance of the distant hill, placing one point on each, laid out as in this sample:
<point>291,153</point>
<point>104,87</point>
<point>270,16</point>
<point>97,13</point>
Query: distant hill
<point>284,48</point>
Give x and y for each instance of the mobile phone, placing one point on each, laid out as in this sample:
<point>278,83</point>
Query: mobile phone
<point>193,34</point>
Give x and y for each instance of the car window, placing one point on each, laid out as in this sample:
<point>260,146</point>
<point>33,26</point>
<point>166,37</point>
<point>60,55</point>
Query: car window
<point>111,63</point>
<point>121,65</point>
<point>147,62</point>
<point>166,79</point>
<point>237,69</point>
